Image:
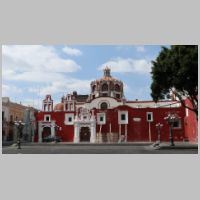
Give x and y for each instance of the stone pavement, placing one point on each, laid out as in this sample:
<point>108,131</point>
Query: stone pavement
<point>112,148</point>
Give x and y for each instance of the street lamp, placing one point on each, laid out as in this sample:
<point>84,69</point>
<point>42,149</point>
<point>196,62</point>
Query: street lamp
<point>158,126</point>
<point>171,118</point>
<point>20,126</point>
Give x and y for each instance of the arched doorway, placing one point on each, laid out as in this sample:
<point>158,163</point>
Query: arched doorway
<point>85,134</point>
<point>46,132</point>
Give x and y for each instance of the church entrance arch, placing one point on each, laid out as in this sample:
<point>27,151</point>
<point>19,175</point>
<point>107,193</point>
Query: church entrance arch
<point>46,132</point>
<point>85,126</point>
<point>85,134</point>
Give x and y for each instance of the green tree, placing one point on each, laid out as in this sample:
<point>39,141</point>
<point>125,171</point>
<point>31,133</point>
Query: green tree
<point>175,71</point>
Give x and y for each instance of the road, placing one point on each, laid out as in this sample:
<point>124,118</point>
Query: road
<point>133,148</point>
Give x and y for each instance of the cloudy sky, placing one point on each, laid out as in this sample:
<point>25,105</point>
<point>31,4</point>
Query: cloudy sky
<point>29,72</point>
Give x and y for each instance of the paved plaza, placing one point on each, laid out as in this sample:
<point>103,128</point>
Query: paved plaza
<point>87,148</point>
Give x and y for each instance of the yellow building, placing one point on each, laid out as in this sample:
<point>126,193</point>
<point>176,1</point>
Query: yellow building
<point>11,112</point>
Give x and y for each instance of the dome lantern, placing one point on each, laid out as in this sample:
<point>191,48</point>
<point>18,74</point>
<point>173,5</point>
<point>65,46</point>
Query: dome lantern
<point>107,72</point>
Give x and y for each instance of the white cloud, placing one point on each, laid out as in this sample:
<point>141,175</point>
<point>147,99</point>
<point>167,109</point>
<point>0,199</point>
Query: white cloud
<point>72,51</point>
<point>34,76</point>
<point>7,90</point>
<point>140,49</point>
<point>63,86</point>
<point>128,65</point>
<point>28,62</point>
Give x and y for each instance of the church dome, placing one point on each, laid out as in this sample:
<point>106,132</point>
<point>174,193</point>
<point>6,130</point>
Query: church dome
<point>107,86</point>
<point>59,107</point>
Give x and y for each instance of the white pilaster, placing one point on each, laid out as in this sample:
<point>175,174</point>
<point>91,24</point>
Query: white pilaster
<point>93,133</point>
<point>76,133</point>
<point>52,130</point>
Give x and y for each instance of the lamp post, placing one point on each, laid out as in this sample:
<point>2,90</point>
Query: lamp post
<point>171,118</point>
<point>159,126</point>
<point>20,126</point>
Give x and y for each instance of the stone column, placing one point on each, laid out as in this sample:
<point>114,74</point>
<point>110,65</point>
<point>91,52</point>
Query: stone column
<point>93,133</point>
<point>52,129</point>
<point>76,133</point>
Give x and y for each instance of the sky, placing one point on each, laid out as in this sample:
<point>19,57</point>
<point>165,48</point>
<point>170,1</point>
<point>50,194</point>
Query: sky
<point>29,72</point>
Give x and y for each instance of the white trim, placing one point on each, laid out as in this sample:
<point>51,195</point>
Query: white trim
<point>187,112</point>
<point>120,113</point>
<point>67,117</point>
<point>151,114</point>
<point>99,115</point>
<point>47,116</point>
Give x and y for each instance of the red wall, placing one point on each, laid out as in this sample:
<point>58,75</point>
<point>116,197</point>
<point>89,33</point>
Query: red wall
<point>137,131</point>
<point>67,132</point>
<point>191,125</point>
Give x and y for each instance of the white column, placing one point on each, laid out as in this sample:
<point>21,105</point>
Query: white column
<point>93,133</point>
<point>76,133</point>
<point>52,130</point>
<point>40,133</point>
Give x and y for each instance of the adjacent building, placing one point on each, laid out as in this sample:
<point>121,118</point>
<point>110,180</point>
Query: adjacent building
<point>12,112</point>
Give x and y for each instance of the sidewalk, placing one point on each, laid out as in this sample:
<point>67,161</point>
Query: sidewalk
<point>82,144</point>
<point>163,145</point>
<point>177,145</point>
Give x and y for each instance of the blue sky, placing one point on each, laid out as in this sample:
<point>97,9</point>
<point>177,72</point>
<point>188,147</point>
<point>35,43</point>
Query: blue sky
<point>31,71</point>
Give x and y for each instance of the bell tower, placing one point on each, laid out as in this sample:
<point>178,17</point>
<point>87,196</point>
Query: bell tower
<point>47,104</point>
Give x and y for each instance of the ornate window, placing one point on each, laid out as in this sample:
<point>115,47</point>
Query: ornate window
<point>117,88</point>
<point>104,106</point>
<point>105,87</point>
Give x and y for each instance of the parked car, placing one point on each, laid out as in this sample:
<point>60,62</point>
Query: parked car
<point>52,139</point>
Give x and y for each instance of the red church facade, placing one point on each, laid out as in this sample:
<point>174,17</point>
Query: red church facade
<point>106,116</point>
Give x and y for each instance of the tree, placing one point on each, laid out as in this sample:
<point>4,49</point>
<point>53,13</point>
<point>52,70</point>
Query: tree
<point>175,71</point>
